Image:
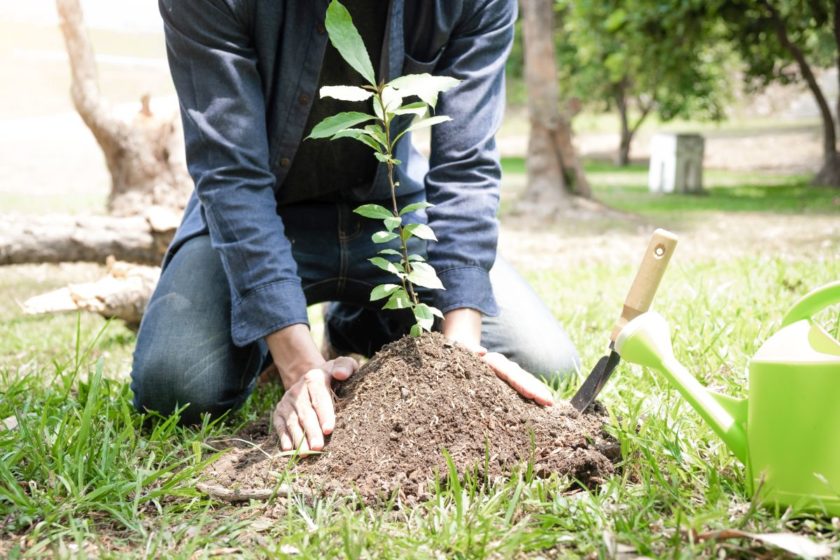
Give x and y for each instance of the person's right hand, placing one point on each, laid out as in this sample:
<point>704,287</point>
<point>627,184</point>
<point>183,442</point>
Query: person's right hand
<point>306,413</point>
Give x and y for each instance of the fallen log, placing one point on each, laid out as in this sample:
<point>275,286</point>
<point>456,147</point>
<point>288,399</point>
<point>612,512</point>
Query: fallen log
<point>122,293</point>
<point>138,239</point>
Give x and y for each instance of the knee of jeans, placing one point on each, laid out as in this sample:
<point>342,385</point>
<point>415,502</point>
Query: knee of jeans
<point>162,385</point>
<point>551,363</point>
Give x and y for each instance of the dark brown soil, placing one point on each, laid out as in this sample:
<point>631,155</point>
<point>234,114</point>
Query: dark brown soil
<point>414,399</point>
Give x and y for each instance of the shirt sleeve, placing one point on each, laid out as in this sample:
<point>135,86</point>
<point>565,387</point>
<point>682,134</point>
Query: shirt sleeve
<point>215,72</point>
<point>464,169</point>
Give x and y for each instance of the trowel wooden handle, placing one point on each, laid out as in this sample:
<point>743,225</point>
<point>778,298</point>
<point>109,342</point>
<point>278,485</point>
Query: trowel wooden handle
<point>654,263</point>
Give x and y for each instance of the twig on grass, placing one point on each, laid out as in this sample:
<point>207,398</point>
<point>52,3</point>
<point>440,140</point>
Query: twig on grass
<point>236,495</point>
<point>258,447</point>
<point>795,544</point>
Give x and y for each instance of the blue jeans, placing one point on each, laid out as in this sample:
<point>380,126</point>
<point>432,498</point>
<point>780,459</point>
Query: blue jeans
<point>184,352</point>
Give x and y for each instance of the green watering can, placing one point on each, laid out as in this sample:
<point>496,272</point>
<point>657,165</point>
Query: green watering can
<point>787,432</point>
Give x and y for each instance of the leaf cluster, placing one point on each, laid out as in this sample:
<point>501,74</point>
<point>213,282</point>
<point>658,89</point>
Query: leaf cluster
<point>752,28</point>
<point>668,56</point>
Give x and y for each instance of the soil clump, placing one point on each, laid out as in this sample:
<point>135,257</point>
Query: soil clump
<point>412,400</point>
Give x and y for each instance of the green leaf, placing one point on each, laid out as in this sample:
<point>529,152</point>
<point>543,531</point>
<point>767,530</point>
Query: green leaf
<point>359,135</point>
<point>422,123</point>
<point>416,258</point>
<point>383,236</point>
<point>425,317</point>
<point>393,222</point>
<point>422,274</point>
<point>424,86</point>
<point>347,41</point>
<point>419,230</point>
<point>337,123</point>
<point>391,100</point>
<point>373,211</point>
<point>388,159</point>
<point>377,107</point>
<point>415,331</point>
<point>382,291</point>
<point>398,300</point>
<point>378,133</point>
<point>388,266</point>
<point>346,93</point>
<point>427,122</point>
<point>414,207</point>
<point>391,252</point>
<point>417,109</point>
<point>615,20</point>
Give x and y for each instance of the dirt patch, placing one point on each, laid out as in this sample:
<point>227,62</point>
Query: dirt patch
<point>414,399</point>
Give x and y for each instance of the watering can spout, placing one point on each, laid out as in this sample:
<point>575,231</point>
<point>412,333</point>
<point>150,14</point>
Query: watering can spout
<point>646,341</point>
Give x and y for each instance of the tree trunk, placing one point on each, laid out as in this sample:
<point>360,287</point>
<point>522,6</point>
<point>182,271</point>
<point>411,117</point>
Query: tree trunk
<point>829,174</point>
<point>555,173</point>
<point>836,26</point>
<point>623,157</point>
<point>54,239</point>
<point>628,132</point>
<point>144,157</point>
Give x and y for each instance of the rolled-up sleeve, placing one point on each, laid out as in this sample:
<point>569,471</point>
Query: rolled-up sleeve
<point>464,169</point>
<point>219,88</point>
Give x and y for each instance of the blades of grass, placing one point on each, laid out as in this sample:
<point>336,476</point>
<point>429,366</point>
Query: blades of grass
<point>83,435</point>
<point>455,488</point>
<point>514,502</point>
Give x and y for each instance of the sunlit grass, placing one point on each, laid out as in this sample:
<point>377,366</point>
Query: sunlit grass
<point>82,474</point>
<point>724,191</point>
<point>81,471</point>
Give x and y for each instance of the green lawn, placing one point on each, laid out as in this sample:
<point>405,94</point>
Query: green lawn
<point>727,191</point>
<point>80,475</point>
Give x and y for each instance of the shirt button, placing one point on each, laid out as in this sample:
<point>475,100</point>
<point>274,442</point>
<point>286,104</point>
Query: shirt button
<point>284,162</point>
<point>303,99</point>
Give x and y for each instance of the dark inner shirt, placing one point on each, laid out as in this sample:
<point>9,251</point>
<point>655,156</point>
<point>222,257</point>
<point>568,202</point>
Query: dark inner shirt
<point>324,169</point>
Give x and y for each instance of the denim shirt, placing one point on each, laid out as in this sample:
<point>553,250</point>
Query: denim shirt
<point>246,72</point>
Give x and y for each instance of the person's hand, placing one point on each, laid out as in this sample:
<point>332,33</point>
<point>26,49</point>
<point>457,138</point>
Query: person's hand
<point>306,413</point>
<point>523,382</point>
<point>464,327</point>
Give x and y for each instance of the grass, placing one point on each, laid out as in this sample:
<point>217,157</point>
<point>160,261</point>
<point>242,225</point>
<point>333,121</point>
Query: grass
<point>724,191</point>
<point>83,475</point>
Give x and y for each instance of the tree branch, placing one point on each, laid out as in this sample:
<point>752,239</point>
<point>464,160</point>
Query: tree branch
<point>646,109</point>
<point>836,25</point>
<point>829,132</point>
<point>85,87</point>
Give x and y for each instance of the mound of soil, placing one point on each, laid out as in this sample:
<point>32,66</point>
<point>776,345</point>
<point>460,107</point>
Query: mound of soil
<point>415,398</point>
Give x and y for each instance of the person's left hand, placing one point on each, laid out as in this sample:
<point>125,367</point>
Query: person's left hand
<point>523,382</point>
<point>464,327</point>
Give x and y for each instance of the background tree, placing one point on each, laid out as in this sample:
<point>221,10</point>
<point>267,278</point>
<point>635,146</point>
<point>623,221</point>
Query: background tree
<point>145,156</point>
<point>784,41</point>
<point>555,174</point>
<point>643,57</point>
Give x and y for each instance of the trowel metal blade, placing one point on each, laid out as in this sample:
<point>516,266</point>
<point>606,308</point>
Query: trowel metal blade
<point>595,382</point>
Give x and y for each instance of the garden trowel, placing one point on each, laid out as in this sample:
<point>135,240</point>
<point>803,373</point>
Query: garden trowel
<point>659,251</point>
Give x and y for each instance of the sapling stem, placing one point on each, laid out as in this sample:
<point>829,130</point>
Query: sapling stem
<point>407,285</point>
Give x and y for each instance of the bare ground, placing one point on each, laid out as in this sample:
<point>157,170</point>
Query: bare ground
<point>712,236</point>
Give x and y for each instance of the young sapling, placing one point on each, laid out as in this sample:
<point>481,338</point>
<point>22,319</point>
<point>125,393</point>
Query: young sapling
<point>379,132</point>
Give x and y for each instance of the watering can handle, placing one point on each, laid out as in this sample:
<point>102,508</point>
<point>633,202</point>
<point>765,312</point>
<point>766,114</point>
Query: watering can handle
<point>813,302</point>
<point>638,300</point>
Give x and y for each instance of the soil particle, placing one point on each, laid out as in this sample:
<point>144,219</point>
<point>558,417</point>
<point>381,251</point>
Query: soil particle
<point>416,398</point>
